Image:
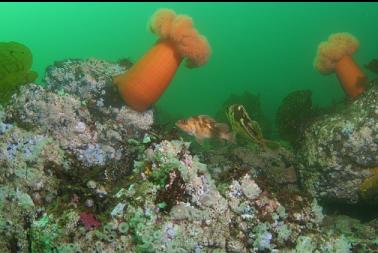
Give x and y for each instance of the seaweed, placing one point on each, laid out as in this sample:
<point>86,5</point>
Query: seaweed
<point>15,63</point>
<point>293,116</point>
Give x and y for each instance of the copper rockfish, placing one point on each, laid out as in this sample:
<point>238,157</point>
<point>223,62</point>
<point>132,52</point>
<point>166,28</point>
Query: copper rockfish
<point>203,127</point>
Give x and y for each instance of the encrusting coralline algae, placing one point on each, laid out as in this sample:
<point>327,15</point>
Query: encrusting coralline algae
<point>82,172</point>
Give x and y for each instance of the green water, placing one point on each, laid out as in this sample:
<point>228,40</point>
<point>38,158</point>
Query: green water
<point>265,48</point>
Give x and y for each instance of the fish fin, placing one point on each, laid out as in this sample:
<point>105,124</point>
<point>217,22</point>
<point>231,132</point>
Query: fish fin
<point>223,131</point>
<point>192,133</point>
<point>207,117</point>
<point>272,145</point>
<point>231,137</point>
<point>199,140</point>
<point>228,136</point>
<point>222,127</point>
<point>204,116</point>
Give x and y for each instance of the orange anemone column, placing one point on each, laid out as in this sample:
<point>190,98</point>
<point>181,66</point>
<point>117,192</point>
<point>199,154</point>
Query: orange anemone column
<point>350,76</point>
<point>146,81</point>
<point>335,55</point>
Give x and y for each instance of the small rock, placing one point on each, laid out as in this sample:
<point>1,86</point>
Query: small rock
<point>89,203</point>
<point>91,184</point>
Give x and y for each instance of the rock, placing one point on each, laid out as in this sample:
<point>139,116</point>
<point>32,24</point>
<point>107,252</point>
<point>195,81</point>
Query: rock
<point>205,219</point>
<point>68,154</point>
<point>340,150</point>
<point>86,139</point>
<point>278,165</point>
<point>89,80</point>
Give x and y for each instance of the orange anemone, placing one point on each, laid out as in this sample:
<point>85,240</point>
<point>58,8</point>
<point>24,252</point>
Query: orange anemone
<point>143,84</point>
<point>335,55</point>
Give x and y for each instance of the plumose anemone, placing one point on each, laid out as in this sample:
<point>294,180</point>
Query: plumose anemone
<point>145,82</point>
<point>335,55</point>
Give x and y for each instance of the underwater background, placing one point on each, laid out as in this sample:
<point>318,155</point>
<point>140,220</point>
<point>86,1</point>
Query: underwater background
<point>264,48</point>
<point>256,149</point>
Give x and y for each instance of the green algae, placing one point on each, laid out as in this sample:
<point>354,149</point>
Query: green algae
<point>15,63</point>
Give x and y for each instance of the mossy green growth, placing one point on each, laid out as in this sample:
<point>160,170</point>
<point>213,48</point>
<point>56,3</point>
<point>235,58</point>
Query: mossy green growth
<point>15,63</point>
<point>369,187</point>
<point>160,176</point>
<point>42,235</point>
<point>69,248</point>
<point>123,228</point>
<point>293,116</point>
<point>137,225</point>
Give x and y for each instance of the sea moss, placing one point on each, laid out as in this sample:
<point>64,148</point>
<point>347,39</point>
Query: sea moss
<point>369,187</point>
<point>15,63</point>
<point>293,115</point>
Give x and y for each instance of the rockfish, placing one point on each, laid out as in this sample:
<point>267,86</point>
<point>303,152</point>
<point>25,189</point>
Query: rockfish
<point>204,127</point>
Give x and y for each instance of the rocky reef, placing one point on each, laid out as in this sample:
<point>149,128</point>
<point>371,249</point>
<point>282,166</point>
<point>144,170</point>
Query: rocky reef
<point>82,172</point>
<point>340,153</point>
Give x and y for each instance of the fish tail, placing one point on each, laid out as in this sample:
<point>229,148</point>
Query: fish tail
<point>231,137</point>
<point>272,145</point>
<point>222,127</point>
<point>223,132</point>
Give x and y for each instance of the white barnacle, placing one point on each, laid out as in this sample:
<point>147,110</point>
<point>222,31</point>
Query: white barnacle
<point>80,127</point>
